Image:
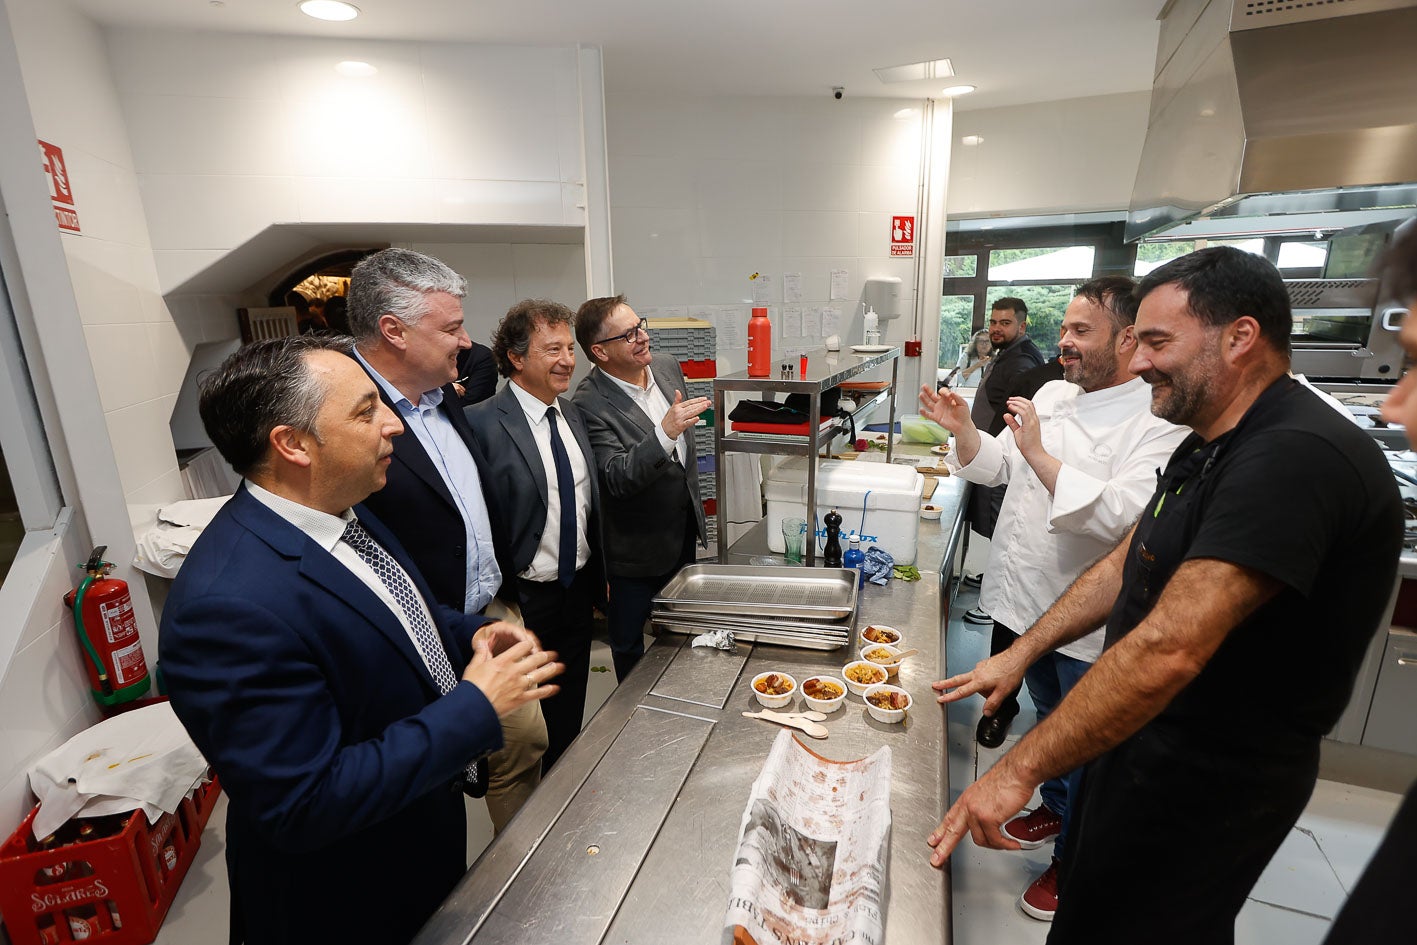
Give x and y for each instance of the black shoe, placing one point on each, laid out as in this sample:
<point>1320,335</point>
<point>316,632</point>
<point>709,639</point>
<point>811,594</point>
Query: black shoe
<point>993,729</point>
<point>973,580</point>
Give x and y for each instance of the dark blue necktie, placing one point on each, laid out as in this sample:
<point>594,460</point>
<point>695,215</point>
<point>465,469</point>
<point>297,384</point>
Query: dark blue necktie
<point>566,488</point>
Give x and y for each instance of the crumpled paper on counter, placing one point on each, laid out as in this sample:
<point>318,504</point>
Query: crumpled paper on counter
<point>142,759</point>
<point>877,566</point>
<point>718,639</point>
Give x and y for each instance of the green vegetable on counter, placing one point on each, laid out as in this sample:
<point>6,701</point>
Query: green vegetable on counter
<point>906,572</point>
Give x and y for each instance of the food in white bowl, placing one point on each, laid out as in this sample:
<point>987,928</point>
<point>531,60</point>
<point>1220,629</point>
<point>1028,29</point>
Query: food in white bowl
<point>774,690</point>
<point>861,675</point>
<point>887,703</point>
<point>880,633</point>
<point>823,693</point>
<point>883,655</point>
<point>931,513</point>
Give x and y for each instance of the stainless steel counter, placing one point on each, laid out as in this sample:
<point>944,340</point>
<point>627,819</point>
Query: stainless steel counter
<point>631,837</point>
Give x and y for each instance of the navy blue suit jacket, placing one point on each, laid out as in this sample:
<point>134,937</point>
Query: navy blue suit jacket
<point>339,757</point>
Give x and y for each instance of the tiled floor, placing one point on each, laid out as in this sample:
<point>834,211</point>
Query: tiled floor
<point>1291,905</point>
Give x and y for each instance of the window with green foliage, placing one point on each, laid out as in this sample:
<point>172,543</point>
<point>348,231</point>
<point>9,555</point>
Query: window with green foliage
<point>960,267</point>
<point>1153,255</point>
<point>956,325</point>
<point>1046,305</point>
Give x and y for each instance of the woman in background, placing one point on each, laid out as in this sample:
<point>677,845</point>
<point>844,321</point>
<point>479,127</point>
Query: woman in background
<point>971,361</point>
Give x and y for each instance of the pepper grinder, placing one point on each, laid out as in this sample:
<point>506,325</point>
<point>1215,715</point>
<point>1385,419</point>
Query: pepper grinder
<point>831,554</point>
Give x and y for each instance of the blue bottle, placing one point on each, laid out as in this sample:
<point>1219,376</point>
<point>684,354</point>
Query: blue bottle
<point>854,558</point>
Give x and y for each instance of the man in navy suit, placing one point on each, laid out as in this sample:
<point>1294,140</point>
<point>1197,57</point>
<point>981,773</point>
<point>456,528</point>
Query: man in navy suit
<point>338,702</point>
<point>538,469</point>
<point>405,310</point>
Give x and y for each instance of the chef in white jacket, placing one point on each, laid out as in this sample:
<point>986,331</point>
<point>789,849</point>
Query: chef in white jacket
<point>1080,462</point>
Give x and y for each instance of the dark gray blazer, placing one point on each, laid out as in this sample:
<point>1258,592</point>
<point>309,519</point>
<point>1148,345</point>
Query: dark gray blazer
<point>647,495</point>
<point>514,479</point>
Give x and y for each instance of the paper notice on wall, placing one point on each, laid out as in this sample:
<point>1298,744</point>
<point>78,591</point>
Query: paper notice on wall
<point>838,287</point>
<point>812,323</point>
<point>731,323</point>
<point>792,321</point>
<point>762,289</point>
<point>831,320</point>
<point>812,848</point>
<point>792,287</point>
<point>674,311</point>
<point>649,311</point>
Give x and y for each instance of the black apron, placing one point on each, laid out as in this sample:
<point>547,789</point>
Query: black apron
<point>1171,834</point>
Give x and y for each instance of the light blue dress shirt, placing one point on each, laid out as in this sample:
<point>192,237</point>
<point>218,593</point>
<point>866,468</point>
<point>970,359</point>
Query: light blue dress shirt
<point>454,463</point>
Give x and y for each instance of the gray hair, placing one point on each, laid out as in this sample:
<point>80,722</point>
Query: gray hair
<point>396,282</point>
<point>263,386</point>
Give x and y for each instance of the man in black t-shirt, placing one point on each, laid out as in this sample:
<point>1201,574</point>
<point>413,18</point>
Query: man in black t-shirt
<point>1272,538</point>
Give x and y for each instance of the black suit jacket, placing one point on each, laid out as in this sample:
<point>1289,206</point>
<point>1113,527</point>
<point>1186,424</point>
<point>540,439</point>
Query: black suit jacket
<point>514,479</point>
<point>337,753</point>
<point>418,507</point>
<point>480,368</point>
<point>649,498</point>
<point>993,396</point>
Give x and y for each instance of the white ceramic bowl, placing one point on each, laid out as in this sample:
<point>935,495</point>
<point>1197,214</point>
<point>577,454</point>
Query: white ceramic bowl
<point>891,632</point>
<point>824,705</point>
<point>931,513</point>
<point>774,702</point>
<point>887,715</point>
<point>890,667</point>
<point>860,688</point>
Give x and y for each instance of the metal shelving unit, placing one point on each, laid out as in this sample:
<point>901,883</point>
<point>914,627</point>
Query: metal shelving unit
<point>825,370</point>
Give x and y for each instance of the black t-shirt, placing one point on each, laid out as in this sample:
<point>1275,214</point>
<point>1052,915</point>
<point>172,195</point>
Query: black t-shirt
<point>1297,492</point>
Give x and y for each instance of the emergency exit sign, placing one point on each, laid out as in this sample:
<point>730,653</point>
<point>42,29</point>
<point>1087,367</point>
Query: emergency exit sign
<point>902,236</point>
<point>61,190</point>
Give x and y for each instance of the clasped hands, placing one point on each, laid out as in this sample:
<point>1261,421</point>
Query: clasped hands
<point>510,667</point>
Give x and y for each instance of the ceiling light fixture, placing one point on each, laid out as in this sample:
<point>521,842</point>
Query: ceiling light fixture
<point>972,141</point>
<point>953,90</point>
<point>913,72</point>
<point>329,9</point>
<point>355,69</point>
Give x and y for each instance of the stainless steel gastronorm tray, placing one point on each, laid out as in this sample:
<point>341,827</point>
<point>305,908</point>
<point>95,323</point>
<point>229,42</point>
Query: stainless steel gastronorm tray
<point>784,638</point>
<point>760,591</point>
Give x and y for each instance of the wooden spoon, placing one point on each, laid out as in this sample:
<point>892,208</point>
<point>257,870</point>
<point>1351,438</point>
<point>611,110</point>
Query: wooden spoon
<point>904,653</point>
<point>791,721</point>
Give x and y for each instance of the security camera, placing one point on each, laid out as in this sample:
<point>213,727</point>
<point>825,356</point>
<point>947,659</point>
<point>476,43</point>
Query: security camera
<point>838,92</point>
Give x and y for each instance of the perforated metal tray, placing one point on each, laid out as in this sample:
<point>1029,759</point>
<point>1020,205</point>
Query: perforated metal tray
<point>762,591</point>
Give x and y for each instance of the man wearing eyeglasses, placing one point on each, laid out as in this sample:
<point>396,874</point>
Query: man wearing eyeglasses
<point>639,417</point>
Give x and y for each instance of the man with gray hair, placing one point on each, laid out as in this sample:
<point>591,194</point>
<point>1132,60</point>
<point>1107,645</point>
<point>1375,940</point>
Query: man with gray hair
<point>405,311</point>
<point>337,700</point>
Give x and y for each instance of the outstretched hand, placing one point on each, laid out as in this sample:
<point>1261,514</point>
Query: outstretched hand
<point>683,414</point>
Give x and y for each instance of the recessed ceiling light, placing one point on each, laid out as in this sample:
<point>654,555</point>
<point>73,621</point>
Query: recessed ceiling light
<point>971,141</point>
<point>905,113</point>
<point>929,69</point>
<point>954,90</point>
<point>329,9</point>
<point>355,69</point>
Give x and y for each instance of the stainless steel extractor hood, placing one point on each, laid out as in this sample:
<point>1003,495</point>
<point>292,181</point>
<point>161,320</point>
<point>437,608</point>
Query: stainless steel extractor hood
<point>1264,107</point>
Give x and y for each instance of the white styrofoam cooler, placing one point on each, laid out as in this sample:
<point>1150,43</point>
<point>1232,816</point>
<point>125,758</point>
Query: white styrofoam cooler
<point>890,495</point>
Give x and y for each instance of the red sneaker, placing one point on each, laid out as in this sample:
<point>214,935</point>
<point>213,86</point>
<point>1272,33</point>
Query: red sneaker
<point>1035,828</point>
<point>1040,899</point>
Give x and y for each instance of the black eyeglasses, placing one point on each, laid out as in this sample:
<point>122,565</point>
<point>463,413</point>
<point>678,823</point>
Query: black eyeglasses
<point>629,336</point>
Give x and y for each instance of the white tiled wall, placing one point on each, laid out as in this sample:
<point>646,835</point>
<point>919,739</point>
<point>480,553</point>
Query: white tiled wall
<point>44,696</point>
<point>1074,155</point>
<point>706,192</point>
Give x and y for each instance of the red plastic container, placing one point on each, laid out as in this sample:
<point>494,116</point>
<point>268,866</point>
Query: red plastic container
<point>699,369</point>
<point>112,891</point>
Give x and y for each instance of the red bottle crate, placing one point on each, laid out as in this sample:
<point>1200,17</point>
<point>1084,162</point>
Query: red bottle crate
<point>112,891</point>
<point>699,369</point>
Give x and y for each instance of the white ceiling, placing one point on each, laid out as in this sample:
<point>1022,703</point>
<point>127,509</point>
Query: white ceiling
<point>1015,51</point>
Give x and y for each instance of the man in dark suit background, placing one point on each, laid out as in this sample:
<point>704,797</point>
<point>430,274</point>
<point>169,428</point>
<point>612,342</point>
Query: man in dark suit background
<point>314,669</point>
<point>405,310</point>
<point>640,427</point>
<point>477,375</point>
<point>538,472</point>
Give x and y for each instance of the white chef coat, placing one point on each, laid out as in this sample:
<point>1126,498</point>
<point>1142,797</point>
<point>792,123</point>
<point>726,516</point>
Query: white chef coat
<point>1110,446</point>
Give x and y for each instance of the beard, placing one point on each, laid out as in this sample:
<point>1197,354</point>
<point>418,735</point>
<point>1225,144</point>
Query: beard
<point>1180,397</point>
<point>1092,370</point>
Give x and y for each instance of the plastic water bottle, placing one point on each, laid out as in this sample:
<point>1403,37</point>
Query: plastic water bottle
<point>854,558</point>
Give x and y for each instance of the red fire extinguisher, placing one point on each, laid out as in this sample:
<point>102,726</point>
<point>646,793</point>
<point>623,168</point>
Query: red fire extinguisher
<point>108,633</point>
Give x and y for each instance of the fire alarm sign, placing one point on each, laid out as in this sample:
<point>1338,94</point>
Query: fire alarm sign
<point>902,236</point>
